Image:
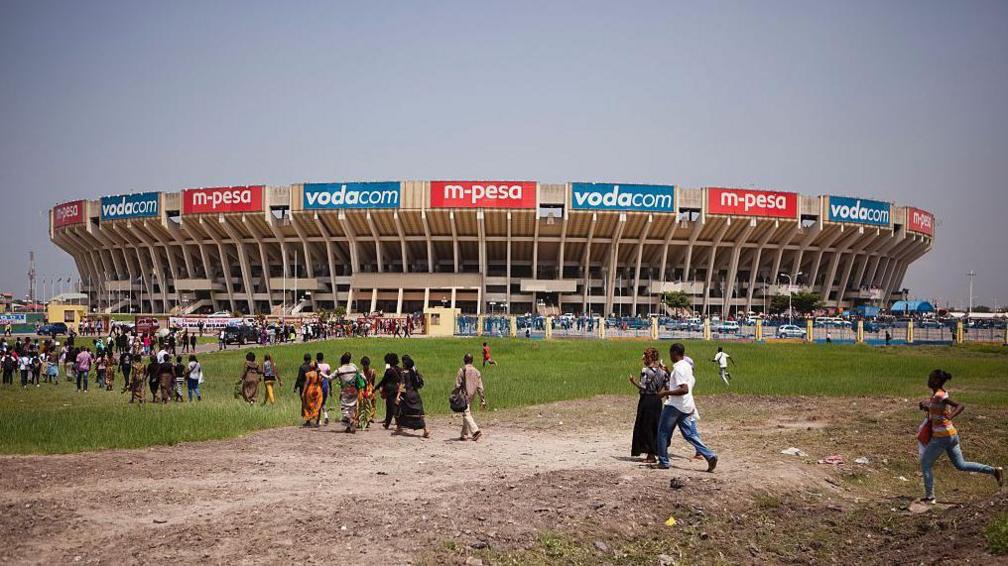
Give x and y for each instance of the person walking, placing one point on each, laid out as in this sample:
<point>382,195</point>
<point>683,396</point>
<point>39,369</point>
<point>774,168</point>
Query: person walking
<point>166,380</point>
<point>221,341</point>
<point>194,378</point>
<point>270,377</point>
<point>653,378</point>
<point>153,377</point>
<point>180,377</point>
<point>469,381</point>
<point>302,371</point>
<point>721,358</point>
<point>325,380</point>
<point>366,395</point>
<point>389,387</point>
<point>680,410</point>
<point>347,376</point>
<point>939,435</point>
<point>311,396</point>
<point>411,409</point>
<point>83,366</point>
<point>138,374</point>
<point>248,383</point>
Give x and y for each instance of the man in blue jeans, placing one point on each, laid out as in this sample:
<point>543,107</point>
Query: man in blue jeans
<point>680,410</point>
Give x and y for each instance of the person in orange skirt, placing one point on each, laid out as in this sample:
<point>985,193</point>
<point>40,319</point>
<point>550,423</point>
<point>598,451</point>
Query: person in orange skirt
<point>311,397</point>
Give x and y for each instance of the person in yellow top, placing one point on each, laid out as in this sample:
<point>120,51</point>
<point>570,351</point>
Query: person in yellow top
<point>941,410</point>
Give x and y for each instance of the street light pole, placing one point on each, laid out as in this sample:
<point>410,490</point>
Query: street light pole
<point>789,311</point>
<point>971,275</point>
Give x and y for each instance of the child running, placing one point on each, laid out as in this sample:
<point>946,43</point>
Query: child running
<point>487,358</point>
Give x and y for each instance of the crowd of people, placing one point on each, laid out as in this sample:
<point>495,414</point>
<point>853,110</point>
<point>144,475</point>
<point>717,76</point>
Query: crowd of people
<point>357,390</point>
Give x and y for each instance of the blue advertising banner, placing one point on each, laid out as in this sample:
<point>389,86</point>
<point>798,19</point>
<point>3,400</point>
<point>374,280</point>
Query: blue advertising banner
<point>858,211</point>
<point>138,205</point>
<point>377,194</point>
<point>614,196</point>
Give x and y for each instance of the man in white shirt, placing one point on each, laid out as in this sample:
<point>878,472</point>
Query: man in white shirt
<point>679,410</point>
<point>721,359</point>
<point>162,356</point>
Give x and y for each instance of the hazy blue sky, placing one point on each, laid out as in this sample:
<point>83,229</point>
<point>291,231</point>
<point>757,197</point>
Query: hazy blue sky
<point>902,100</point>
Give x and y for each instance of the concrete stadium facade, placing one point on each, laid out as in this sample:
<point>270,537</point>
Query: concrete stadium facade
<point>482,246</point>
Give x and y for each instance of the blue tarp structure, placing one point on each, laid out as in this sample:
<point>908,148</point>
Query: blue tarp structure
<point>867,311</point>
<point>912,307</point>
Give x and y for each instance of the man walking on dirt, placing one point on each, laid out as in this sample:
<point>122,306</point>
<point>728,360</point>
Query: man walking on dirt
<point>721,359</point>
<point>469,380</point>
<point>680,410</point>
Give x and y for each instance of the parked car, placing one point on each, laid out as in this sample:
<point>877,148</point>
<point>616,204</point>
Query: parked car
<point>146,325</point>
<point>727,327</point>
<point>54,329</point>
<point>240,334</point>
<point>790,331</point>
<point>220,314</point>
<point>929,323</point>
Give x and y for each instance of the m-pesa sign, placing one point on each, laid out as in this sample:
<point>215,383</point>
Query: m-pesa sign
<point>483,194</point>
<point>222,199</point>
<point>68,213</point>
<point>920,221</point>
<point>751,202</point>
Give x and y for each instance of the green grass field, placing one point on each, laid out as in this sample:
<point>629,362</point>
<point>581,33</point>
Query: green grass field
<point>56,419</point>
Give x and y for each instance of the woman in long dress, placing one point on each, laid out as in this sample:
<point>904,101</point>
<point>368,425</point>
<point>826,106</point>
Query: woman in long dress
<point>311,396</point>
<point>411,410</point>
<point>346,379</point>
<point>389,387</point>
<point>653,378</point>
<point>166,381</point>
<point>138,374</point>
<point>250,379</point>
<point>366,395</point>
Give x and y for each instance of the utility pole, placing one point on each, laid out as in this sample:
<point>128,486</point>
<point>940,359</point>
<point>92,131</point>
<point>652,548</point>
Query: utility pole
<point>971,275</point>
<point>31,277</point>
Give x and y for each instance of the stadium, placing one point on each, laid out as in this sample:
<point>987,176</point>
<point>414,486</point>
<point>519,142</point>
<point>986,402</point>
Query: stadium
<point>484,247</point>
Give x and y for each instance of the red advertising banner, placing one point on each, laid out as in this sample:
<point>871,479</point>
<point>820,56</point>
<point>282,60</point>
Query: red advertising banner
<point>483,194</point>
<point>222,199</point>
<point>920,221</point>
<point>68,213</point>
<point>752,202</point>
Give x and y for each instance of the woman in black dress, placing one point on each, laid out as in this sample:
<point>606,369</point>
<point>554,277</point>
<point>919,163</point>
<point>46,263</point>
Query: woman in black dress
<point>653,378</point>
<point>411,411</point>
<point>388,387</point>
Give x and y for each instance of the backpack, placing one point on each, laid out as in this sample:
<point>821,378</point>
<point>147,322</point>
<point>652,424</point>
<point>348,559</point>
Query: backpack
<point>458,400</point>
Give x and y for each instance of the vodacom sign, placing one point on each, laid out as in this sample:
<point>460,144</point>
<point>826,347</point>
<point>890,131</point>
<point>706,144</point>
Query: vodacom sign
<point>751,202</point>
<point>222,199</point>
<point>483,194</point>
<point>68,213</point>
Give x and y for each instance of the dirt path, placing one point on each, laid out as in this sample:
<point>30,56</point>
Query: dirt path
<point>322,496</point>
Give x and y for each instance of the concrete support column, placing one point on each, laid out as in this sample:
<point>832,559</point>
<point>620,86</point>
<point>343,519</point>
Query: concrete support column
<point>349,299</point>
<point>513,325</point>
<point>426,297</point>
<point>374,300</point>
<point>654,327</point>
<point>479,324</point>
<point>706,329</point>
<point>959,332</point>
<point>859,337</point>
<point>808,330</point>
<point>453,298</point>
<point>398,307</point>
<point>910,332</point>
<point>549,327</point>
<point>759,330</point>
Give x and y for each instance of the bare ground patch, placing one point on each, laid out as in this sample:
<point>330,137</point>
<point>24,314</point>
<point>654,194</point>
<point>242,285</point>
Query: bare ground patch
<point>548,484</point>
